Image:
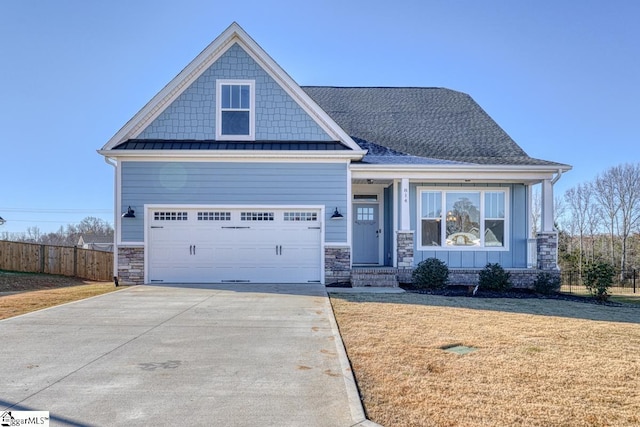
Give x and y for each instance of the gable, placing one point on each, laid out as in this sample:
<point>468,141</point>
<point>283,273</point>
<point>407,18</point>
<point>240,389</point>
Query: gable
<point>185,109</point>
<point>192,116</point>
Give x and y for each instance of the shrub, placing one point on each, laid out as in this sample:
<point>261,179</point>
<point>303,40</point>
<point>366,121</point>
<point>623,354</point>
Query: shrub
<point>598,278</point>
<point>494,278</point>
<point>546,283</point>
<point>430,274</point>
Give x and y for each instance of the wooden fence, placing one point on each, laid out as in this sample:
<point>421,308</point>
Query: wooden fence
<point>62,260</point>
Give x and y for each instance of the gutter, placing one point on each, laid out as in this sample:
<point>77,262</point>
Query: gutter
<point>557,177</point>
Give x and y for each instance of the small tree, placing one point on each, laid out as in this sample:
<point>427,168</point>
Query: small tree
<point>430,274</point>
<point>598,278</point>
<point>493,277</point>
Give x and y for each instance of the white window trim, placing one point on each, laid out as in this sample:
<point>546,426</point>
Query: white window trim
<point>481,190</point>
<point>252,110</point>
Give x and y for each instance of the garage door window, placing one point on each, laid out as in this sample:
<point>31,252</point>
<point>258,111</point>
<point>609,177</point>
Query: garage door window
<point>170,216</point>
<point>300,216</point>
<point>256,216</point>
<point>214,216</point>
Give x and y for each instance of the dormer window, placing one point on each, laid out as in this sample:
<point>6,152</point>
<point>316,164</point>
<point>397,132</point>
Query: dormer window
<point>236,110</point>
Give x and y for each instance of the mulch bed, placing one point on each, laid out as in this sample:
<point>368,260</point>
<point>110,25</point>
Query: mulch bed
<point>466,291</point>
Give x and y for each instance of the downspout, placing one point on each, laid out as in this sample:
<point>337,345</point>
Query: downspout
<point>557,177</point>
<point>111,162</point>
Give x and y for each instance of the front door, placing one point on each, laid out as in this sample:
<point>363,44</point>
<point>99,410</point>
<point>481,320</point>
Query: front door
<point>366,233</point>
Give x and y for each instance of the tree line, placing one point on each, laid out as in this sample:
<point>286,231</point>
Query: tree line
<point>89,227</point>
<point>599,220</point>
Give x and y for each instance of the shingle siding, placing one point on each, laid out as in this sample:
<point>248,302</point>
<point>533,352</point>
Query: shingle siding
<point>192,114</point>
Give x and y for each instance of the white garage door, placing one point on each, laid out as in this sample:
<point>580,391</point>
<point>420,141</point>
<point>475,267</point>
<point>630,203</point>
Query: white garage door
<point>229,245</point>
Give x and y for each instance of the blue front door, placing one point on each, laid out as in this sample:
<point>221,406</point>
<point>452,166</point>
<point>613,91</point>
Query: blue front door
<point>366,233</point>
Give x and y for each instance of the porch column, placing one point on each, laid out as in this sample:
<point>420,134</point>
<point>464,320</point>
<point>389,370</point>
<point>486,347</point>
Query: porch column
<point>404,205</point>
<point>547,206</point>
<point>547,237</point>
<point>404,236</point>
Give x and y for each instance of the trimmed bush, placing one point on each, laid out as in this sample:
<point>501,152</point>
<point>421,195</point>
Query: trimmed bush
<point>546,283</point>
<point>598,278</point>
<point>494,278</point>
<point>430,274</point>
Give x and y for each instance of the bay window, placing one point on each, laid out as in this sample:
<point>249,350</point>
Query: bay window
<point>466,218</point>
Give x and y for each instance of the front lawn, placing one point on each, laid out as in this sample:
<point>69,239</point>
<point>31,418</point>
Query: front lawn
<point>536,362</point>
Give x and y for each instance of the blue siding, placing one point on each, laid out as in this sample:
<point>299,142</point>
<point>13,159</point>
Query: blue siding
<point>192,114</point>
<point>515,257</point>
<point>388,226</point>
<point>234,183</point>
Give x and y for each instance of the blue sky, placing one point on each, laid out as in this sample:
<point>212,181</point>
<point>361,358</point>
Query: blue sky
<point>561,77</point>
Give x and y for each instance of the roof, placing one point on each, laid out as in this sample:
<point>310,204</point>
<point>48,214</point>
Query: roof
<point>420,123</point>
<point>160,144</point>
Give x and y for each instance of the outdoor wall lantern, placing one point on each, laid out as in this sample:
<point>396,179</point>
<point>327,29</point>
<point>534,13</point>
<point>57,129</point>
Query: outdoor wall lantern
<point>130,213</point>
<point>336,215</point>
<point>2,220</point>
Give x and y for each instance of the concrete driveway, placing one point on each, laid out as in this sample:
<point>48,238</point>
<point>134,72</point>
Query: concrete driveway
<point>244,355</point>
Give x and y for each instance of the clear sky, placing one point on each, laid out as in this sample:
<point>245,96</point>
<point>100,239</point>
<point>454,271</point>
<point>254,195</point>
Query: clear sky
<point>561,77</point>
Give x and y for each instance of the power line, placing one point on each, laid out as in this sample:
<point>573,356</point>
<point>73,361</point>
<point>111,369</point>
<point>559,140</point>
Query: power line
<point>63,211</point>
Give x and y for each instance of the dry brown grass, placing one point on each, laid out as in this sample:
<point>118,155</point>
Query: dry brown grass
<point>22,293</point>
<point>537,363</point>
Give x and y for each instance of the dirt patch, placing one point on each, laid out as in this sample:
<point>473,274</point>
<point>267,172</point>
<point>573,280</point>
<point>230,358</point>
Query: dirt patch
<point>22,293</point>
<point>25,282</point>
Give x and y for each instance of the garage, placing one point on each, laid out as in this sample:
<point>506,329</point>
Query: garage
<point>254,244</point>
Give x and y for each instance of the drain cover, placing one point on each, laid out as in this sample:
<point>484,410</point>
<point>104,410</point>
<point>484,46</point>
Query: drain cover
<point>459,349</point>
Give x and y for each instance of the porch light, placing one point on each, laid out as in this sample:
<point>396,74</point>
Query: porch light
<point>336,214</point>
<point>2,220</point>
<point>130,213</point>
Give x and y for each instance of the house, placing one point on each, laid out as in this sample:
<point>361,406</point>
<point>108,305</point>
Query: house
<point>235,173</point>
<point>96,243</point>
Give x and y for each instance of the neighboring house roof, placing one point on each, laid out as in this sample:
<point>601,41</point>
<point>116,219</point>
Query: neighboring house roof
<point>89,238</point>
<point>420,123</point>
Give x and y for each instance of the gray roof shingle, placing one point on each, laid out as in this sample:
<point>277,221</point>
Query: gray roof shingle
<point>428,123</point>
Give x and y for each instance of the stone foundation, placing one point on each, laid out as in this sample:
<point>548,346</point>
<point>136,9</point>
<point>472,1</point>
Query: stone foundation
<point>547,246</point>
<point>386,277</point>
<point>337,264</point>
<point>404,248</point>
<point>131,266</point>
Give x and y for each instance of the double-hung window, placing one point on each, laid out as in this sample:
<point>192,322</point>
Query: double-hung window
<point>235,118</point>
<point>465,218</point>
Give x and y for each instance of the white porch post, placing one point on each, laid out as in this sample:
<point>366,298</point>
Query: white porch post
<point>547,206</point>
<point>404,205</point>
<point>404,237</point>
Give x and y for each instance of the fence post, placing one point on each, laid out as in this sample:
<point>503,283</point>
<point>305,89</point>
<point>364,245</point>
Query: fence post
<point>75,261</point>
<point>42,251</point>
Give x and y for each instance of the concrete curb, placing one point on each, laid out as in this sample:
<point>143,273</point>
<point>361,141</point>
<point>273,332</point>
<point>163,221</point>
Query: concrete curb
<point>353,396</point>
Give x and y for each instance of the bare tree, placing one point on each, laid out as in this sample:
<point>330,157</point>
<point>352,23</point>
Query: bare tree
<point>536,211</point>
<point>607,198</point>
<point>628,192</point>
<point>579,200</point>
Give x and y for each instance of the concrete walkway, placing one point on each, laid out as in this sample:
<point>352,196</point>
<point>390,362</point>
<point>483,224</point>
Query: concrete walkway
<point>232,355</point>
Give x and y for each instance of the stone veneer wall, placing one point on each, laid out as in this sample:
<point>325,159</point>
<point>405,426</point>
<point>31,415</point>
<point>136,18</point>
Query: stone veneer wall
<point>405,249</point>
<point>131,266</point>
<point>547,246</point>
<point>337,264</point>
<point>520,278</point>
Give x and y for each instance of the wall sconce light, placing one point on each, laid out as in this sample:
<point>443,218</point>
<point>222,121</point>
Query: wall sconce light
<point>336,215</point>
<point>2,220</point>
<point>130,213</point>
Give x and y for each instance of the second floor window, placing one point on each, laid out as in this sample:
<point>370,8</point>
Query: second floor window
<point>235,118</point>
